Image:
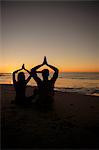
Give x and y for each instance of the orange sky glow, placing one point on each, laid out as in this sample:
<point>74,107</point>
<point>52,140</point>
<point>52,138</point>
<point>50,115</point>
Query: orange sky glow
<point>66,33</point>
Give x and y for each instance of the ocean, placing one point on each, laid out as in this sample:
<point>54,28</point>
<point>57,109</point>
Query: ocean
<point>79,82</point>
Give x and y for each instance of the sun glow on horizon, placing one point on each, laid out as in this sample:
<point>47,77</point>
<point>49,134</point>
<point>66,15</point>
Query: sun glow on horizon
<point>66,33</point>
<point>11,69</point>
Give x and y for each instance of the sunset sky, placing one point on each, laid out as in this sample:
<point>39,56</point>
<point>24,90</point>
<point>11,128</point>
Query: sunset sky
<point>66,32</point>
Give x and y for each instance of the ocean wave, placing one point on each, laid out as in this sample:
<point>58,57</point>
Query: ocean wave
<point>5,74</point>
<point>84,83</point>
<point>80,75</point>
<point>86,91</point>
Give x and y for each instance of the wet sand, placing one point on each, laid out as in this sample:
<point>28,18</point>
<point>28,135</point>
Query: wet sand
<point>72,122</point>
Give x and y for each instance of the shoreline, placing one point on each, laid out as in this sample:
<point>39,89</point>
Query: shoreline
<point>81,91</point>
<point>73,122</point>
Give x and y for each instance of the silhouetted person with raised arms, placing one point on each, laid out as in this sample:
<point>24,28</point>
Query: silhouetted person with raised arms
<point>45,86</point>
<point>20,85</point>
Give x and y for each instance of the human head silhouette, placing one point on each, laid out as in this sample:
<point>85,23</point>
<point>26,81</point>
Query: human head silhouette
<point>45,73</point>
<point>21,76</point>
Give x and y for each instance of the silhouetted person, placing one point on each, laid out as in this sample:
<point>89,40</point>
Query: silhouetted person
<point>20,85</point>
<point>45,86</point>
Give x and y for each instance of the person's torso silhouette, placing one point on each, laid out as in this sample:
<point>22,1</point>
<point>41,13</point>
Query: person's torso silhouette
<point>20,85</point>
<point>45,86</point>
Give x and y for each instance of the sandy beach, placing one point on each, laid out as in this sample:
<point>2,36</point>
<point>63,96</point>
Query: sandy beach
<point>72,122</point>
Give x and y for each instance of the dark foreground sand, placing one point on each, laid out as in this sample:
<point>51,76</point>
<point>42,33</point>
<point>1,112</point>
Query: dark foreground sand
<point>73,122</point>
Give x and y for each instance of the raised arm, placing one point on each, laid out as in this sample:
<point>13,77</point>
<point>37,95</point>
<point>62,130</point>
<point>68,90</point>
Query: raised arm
<point>28,79</point>
<point>23,67</point>
<point>34,72</point>
<point>14,80</point>
<point>37,67</point>
<point>55,75</point>
<point>53,68</point>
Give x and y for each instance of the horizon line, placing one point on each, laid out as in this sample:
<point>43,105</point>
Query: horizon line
<point>66,72</point>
